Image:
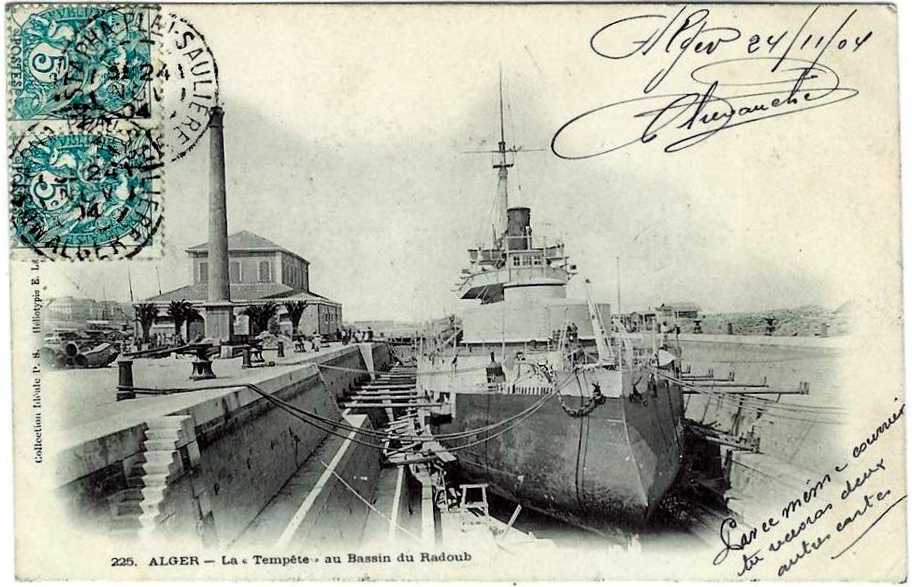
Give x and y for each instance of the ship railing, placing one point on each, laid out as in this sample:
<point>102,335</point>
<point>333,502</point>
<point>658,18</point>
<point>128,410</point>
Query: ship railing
<point>527,242</point>
<point>513,388</point>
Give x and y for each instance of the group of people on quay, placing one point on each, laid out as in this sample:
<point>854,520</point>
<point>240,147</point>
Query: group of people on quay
<point>350,335</point>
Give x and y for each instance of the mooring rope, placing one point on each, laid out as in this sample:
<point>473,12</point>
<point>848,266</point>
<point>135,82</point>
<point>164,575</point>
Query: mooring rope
<point>416,373</point>
<point>303,415</point>
<point>334,425</point>
<point>369,504</point>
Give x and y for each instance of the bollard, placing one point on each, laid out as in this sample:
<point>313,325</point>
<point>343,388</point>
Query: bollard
<point>202,369</point>
<point>125,380</point>
<point>281,345</point>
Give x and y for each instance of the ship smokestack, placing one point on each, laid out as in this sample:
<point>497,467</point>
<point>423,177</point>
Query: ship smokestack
<point>219,315</point>
<point>519,229</point>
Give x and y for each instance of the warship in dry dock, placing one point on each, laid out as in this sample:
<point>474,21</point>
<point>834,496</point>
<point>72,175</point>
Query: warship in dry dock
<point>570,414</point>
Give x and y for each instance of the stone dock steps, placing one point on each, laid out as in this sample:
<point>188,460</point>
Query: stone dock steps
<point>169,449</point>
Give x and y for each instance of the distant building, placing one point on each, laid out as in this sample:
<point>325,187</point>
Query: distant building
<point>652,319</point>
<point>259,271</point>
<point>72,309</point>
<point>685,310</point>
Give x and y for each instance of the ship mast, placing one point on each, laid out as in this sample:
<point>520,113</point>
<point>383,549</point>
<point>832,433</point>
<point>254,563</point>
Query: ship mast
<point>503,160</point>
<point>501,165</point>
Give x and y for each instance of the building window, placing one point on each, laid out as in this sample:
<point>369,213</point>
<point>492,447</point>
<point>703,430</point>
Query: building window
<point>516,261</point>
<point>234,272</point>
<point>265,271</point>
<point>204,272</point>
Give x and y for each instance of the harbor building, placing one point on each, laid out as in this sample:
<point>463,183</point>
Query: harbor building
<point>259,271</point>
<point>680,310</point>
<point>73,309</point>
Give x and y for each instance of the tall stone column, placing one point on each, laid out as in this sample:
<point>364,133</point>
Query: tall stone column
<point>219,314</point>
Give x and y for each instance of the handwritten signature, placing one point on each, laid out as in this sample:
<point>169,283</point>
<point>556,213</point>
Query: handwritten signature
<point>684,120</point>
<point>730,93</point>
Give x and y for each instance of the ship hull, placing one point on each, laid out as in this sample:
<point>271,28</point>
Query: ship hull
<point>610,466</point>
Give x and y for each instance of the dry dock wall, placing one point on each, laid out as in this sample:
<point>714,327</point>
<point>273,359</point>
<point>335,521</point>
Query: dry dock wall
<point>206,468</point>
<point>335,511</point>
<point>794,445</point>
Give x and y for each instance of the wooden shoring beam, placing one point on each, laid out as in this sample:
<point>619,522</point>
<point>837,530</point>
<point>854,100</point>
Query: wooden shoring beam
<point>355,405</point>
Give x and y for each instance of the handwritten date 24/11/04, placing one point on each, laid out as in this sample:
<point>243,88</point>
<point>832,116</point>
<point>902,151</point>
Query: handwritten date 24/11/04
<point>694,31</point>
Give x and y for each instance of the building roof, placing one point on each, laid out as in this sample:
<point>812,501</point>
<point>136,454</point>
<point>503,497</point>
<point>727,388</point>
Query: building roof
<point>242,292</point>
<point>681,306</point>
<point>247,241</point>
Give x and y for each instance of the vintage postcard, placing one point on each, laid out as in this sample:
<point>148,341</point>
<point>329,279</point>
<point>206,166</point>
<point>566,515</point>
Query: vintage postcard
<point>501,292</point>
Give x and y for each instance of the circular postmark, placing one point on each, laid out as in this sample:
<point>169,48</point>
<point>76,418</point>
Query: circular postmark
<point>85,194</point>
<point>82,62</point>
<point>95,63</point>
<point>188,82</point>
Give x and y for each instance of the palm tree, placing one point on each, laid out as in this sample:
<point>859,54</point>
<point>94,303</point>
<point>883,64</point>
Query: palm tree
<point>146,314</point>
<point>181,311</point>
<point>295,311</point>
<point>259,316</point>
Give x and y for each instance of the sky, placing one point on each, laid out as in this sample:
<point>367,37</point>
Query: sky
<point>345,133</point>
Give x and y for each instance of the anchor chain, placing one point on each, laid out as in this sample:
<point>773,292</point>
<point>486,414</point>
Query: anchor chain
<point>587,408</point>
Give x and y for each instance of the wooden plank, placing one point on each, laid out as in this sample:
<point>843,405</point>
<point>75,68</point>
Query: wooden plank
<point>399,398</point>
<point>438,449</point>
<point>355,405</point>
<point>404,422</point>
<point>393,394</point>
<point>412,460</point>
<point>378,394</point>
<point>744,391</point>
<point>390,452</point>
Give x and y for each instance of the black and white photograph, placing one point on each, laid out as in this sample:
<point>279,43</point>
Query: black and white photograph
<point>456,292</point>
